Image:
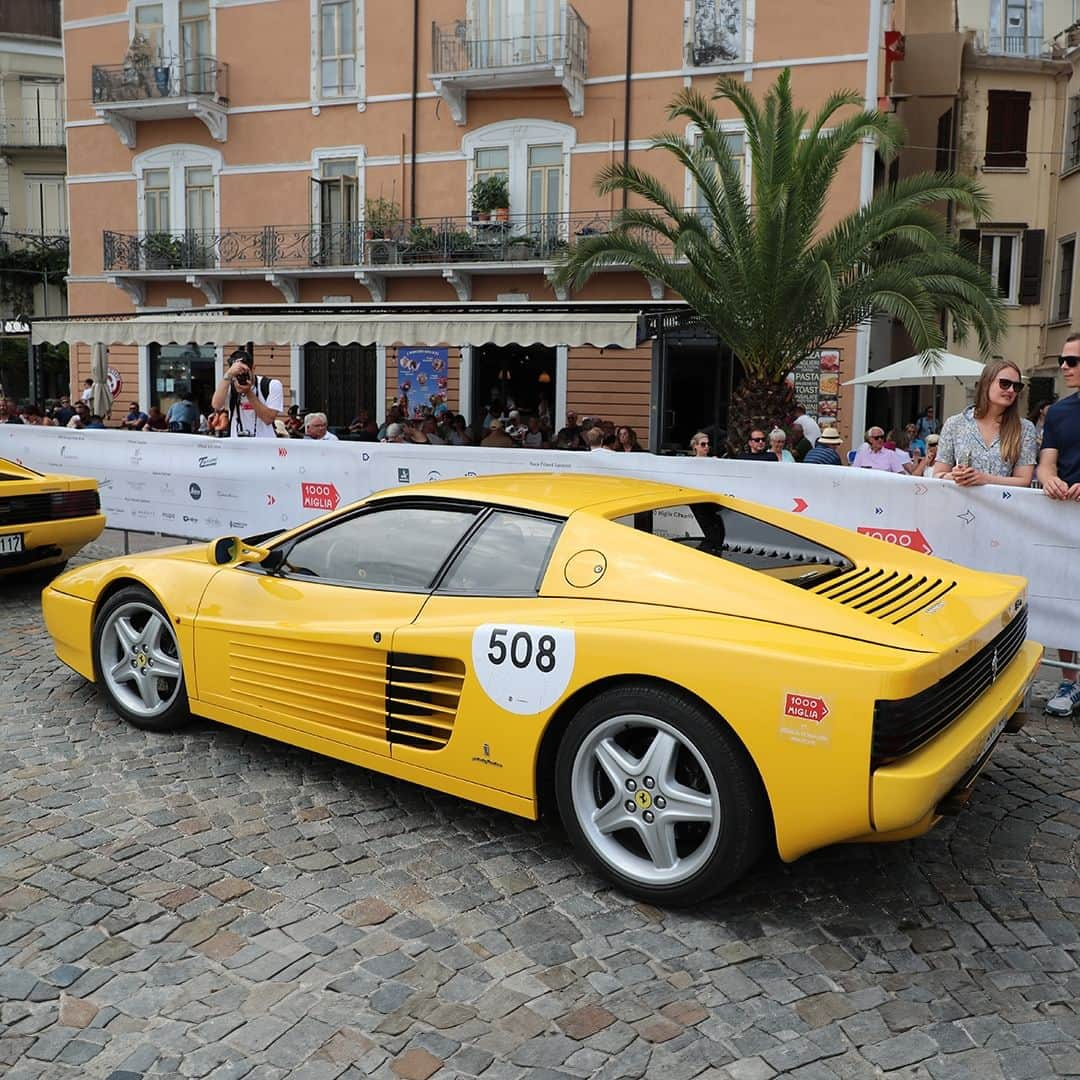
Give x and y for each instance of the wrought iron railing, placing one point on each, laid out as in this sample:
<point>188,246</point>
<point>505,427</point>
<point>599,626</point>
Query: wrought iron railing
<point>198,76</point>
<point>520,238</point>
<point>32,131</point>
<point>1014,45</point>
<point>463,46</point>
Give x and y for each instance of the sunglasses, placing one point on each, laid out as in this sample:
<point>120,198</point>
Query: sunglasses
<point>757,438</point>
<point>875,437</point>
<point>1015,385</point>
<point>1069,361</point>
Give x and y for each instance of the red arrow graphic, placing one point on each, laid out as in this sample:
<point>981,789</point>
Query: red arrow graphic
<point>800,505</point>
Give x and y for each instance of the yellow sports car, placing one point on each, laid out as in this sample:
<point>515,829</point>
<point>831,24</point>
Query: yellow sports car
<point>685,677</point>
<point>44,518</point>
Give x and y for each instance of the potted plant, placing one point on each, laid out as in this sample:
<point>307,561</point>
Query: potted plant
<point>421,243</point>
<point>491,195</point>
<point>380,216</point>
<point>163,251</point>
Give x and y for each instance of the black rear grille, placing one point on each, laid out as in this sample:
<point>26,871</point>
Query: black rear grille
<point>901,727</point>
<point>30,509</point>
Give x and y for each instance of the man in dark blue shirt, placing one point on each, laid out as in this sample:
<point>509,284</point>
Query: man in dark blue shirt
<point>757,449</point>
<point>1059,474</point>
<point>825,452</point>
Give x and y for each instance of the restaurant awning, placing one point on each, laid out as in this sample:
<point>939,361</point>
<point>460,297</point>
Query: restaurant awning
<point>568,324</point>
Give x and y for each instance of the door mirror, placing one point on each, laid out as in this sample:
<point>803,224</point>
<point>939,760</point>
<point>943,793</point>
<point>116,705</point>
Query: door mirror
<point>230,549</point>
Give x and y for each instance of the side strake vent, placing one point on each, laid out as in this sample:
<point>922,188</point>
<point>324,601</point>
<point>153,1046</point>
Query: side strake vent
<point>422,695</point>
<point>885,594</point>
<point>315,681</point>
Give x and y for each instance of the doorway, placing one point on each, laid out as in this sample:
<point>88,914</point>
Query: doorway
<point>697,376</point>
<point>339,380</point>
<point>176,370</point>
<point>521,377</point>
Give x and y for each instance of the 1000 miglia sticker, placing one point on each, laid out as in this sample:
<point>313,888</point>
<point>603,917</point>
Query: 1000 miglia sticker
<point>523,669</point>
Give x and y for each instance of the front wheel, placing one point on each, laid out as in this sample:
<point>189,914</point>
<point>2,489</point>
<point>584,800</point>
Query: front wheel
<point>138,661</point>
<point>659,795</point>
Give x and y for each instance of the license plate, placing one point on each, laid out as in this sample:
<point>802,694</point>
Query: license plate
<point>11,544</point>
<point>991,736</point>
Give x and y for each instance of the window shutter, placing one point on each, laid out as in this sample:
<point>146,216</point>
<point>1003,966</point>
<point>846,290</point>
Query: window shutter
<point>1031,266</point>
<point>1007,129</point>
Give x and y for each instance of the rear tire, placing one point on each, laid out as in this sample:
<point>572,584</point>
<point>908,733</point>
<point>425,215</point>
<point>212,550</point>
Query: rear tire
<point>138,663</point>
<point>659,795</point>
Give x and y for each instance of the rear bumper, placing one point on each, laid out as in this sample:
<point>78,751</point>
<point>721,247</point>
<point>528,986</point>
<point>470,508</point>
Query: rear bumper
<point>48,542</point>
<point>905,797</point>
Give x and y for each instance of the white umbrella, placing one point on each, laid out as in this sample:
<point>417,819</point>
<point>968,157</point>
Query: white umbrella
<point>100,398</point>
<point>921,370</point>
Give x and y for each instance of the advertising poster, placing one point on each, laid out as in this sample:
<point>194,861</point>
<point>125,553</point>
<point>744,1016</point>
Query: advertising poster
<point>815,383</point>
<point>422,377</point>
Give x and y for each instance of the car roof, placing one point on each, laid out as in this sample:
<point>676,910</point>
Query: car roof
<point>562,494</point>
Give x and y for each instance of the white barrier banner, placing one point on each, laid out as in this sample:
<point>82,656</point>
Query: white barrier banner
<point>202,487</point>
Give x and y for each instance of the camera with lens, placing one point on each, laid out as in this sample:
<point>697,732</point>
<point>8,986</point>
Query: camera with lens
<point>242,378</point>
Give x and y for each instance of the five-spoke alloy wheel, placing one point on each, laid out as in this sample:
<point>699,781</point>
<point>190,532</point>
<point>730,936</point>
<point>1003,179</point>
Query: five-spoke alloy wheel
<point>659,795</point>
<point>138,660</point>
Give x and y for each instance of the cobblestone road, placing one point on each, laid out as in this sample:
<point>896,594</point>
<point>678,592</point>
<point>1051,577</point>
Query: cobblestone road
<point>216,904</point>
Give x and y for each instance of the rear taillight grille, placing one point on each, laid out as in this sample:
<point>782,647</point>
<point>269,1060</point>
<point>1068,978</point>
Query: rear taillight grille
<point>55,506</point>
<point>901,727</point>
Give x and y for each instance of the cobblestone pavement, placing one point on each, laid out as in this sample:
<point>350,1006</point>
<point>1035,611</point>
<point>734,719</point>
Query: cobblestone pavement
<point>216,904</point>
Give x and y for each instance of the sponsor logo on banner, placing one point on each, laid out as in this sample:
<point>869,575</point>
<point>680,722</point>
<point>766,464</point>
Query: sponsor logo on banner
<point>195,491</point>
<point>319,496</point>
<point>237,524</point>
<point>215,521</point>
<point>207,462</point>
<point>403,476</point>
<point>912,539</point>
<point>226,494</point>
<point>434,474</point>
<point>136,457</point>
<point>167,516</point>
<point>193,520</point>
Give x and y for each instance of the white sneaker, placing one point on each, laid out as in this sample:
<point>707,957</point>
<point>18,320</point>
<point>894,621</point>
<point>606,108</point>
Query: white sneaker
<point>1064,701</point>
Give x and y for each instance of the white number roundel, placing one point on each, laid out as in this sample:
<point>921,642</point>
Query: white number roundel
<point>523,669</point>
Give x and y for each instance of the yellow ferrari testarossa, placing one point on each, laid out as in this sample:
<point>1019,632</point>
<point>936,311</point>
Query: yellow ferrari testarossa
<point>686,677</point>
<point>44,518</point>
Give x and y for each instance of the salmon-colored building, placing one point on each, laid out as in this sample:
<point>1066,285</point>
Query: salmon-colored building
<point>224,153</point>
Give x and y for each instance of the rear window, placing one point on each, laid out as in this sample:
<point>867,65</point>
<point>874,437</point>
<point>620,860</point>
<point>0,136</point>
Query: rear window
<point>724,533</point>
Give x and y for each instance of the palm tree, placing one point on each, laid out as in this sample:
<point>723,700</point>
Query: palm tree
<point>762,271</point>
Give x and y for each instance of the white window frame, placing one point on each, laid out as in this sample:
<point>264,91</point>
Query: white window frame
<point>1012,299</point>
<point>749,18</point>
<point>518,136</point>
<point>729,127</point>
<point>337,153</point>
<point>318,98</point>
<point>177,159</point>
<point>170,33</point>
<point>1058,314</point>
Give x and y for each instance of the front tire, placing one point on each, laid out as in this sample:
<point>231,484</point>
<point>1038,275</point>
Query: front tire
<point>138,661</point>
<point>659,795</point>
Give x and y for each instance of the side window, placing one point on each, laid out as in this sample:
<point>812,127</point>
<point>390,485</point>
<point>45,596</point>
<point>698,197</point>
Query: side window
<point>506,557</point>
<point>396,548</point>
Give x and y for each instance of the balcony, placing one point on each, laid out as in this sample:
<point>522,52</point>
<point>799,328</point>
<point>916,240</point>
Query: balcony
<point>465,59</point>
<point>39,132</point>
<point>1033,48</point>
<point>451,248</point>
<point>124,94</point>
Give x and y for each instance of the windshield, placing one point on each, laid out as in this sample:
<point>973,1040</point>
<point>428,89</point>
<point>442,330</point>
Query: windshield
<point>740,538</point>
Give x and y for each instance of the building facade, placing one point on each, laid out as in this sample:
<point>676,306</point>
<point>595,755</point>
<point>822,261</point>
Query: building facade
<point>33,193</point>
<point>264,152</point>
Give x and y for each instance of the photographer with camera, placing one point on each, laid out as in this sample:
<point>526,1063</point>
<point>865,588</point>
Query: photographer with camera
<point>253,403</point>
